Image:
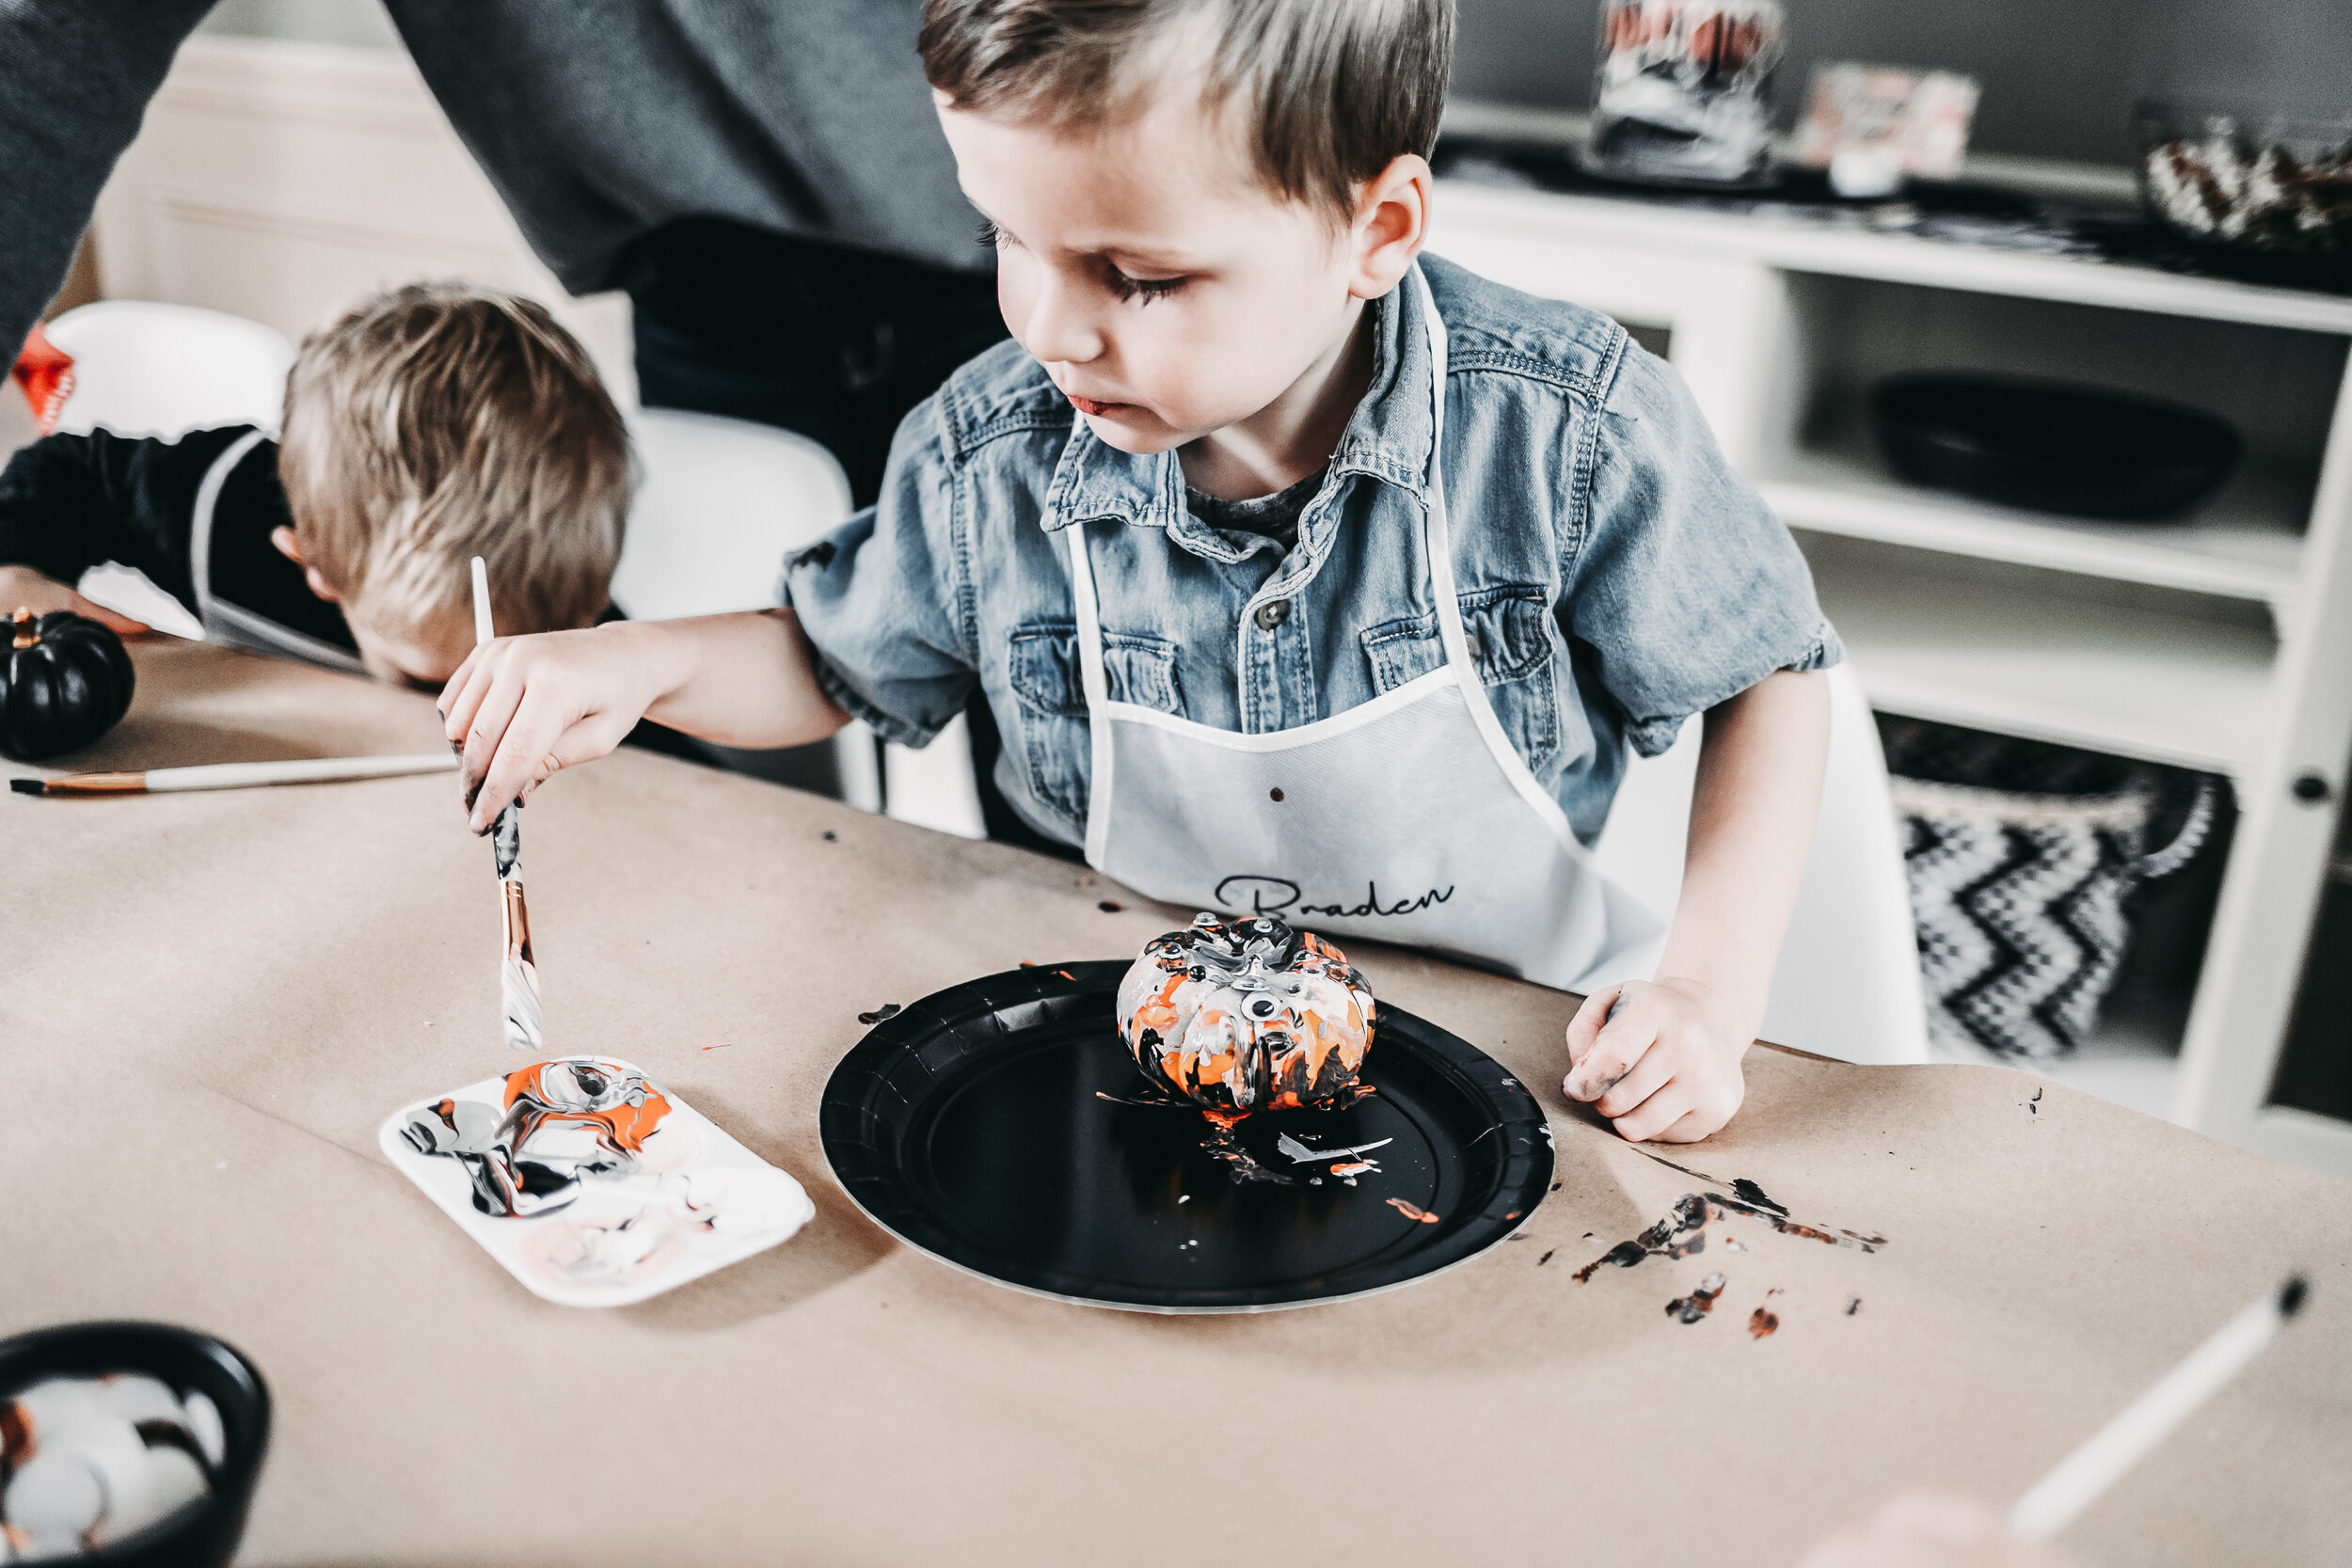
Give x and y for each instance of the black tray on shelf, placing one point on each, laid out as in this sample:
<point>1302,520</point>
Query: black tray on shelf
<point>997,1127</point>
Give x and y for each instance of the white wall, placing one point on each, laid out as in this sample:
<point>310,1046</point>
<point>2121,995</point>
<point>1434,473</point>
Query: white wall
<point>285,181</point>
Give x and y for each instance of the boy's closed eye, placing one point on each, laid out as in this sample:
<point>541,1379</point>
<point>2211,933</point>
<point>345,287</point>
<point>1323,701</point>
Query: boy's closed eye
<point>1123,284</point>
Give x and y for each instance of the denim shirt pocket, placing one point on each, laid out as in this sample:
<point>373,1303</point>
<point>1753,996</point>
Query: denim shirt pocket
<point>1050,689</point>
<point>1510,637</point>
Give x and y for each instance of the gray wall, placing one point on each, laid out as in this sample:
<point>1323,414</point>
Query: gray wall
<point>2059,76</point>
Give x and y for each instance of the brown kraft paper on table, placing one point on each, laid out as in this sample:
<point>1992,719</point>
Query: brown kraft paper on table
<point>209,1002</point>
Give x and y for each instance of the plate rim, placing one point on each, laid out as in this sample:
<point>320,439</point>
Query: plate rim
<point>1083,974</point>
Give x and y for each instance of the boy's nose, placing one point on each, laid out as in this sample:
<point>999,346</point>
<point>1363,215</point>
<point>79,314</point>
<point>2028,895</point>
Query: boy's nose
<point>1059,328</point>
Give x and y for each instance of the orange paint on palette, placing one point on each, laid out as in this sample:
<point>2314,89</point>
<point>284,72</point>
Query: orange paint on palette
<point>1412,1210</point>
<point>623,1128</point>
<point>1351,1167</point>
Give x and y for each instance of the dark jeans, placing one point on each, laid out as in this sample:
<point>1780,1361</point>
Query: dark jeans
<point>835,345</point>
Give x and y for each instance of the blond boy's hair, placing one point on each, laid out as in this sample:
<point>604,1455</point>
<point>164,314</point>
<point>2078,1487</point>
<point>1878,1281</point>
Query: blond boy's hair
<point>437,423</point>
<point>1330,91</point>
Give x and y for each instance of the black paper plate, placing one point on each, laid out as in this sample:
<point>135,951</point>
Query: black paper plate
<point>972,1126</point>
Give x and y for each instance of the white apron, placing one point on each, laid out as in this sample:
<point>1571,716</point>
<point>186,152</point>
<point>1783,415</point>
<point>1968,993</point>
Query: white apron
<point>1409,818</point>
<point>234,624</point>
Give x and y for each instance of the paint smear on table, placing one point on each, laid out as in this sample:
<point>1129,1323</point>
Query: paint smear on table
<point>1761,1323</point>
<point>1699,1302</point>
<point>1683,1231</point>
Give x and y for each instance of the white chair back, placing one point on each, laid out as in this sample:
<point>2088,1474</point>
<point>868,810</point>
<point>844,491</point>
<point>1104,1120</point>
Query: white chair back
<point>720,504</point>
<point>1847,983</point>
<point>143,367</point>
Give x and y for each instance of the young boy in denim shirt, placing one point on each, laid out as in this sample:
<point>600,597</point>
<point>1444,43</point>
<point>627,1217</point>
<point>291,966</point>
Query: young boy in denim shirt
<point>1266,623</point>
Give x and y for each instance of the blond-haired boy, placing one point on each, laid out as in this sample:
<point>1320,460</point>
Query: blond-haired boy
<point>1301,577</point>
<point>430,424</point>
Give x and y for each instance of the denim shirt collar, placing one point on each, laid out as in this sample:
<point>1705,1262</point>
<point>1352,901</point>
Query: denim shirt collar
<point>1387,438</point>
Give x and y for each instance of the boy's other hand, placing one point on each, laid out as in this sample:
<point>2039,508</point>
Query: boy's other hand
<point>21,588</point>
<point>520,708</point>
<point>1664,1065</point>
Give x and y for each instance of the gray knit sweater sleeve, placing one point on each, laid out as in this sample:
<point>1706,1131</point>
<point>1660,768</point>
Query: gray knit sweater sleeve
<point>75,76</point>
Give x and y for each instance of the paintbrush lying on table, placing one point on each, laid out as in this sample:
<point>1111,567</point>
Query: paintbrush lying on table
<point>518,977</point>
<point>234,775</point>
<point>2054,1501</point>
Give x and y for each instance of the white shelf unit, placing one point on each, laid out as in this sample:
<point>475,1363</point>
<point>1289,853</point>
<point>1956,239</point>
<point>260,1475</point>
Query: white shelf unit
<point>2220,641</point>
<point>2047,660</point>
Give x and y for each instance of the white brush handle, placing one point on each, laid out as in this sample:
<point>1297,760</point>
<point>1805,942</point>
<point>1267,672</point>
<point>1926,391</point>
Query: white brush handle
<point>238,775</point>
<point>2059,1498</point>
<point>481,632</point>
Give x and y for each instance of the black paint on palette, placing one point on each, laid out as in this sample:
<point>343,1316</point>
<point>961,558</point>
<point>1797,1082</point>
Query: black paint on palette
<point>1002,1127</point>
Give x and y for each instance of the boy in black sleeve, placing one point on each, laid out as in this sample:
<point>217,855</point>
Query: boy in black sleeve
<point>432,424</point>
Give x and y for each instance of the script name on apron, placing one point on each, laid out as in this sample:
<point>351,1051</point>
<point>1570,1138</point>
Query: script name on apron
<point>1278,895</point>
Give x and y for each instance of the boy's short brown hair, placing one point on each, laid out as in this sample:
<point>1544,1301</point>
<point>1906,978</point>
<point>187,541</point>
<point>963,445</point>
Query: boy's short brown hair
<point>437,423</point>
<point>1332,90</point>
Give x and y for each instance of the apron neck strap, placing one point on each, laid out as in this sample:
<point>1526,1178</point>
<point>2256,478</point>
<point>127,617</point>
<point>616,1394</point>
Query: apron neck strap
<point>1438,534</point>
<point>1089,619</point>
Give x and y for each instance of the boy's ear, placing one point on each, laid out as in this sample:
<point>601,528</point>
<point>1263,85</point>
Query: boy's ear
<point>1392,222</point>
<point>291,550</point>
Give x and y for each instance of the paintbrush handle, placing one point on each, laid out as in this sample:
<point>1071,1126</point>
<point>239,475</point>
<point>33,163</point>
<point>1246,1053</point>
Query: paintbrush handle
<point>2056,1500</point>
<point>241,775</point>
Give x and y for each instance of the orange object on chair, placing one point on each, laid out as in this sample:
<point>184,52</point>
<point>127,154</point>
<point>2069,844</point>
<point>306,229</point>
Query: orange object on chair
<point>45,372</point>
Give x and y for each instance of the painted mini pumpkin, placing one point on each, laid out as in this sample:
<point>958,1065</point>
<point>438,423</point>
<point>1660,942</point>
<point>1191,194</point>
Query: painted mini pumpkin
<point>64,682</point>
<point>1246,1015</point>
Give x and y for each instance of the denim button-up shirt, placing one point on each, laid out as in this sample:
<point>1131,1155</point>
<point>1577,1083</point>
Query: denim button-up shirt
<point>1615,577</point>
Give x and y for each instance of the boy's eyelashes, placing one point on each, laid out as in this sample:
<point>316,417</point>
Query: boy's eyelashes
<point>1145,288</point>
<point>1121,286</point>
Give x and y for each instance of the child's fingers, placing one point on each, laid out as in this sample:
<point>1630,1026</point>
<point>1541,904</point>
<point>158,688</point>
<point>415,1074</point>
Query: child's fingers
<point>593,737</point>
<point>1644,1079</point>
<point>1672,1104</point>
<point>524,745</point>
<point>485,735</point>
<point>462,692</point>
<point>1584,1028</point>
<point>1619,1045</point>
<point>1693,1126</point>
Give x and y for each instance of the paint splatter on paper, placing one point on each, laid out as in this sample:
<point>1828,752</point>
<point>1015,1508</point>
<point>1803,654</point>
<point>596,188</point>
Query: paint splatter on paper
<point>1699,1302</point>
<point>1761,1323</point>
<point>1683,1232</point>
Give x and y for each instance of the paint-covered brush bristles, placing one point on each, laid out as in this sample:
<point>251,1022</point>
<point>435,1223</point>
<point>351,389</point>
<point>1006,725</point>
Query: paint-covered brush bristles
<point>518,976</point>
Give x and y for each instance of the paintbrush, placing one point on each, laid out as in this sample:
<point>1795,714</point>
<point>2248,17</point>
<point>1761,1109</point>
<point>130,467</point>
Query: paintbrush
<point>2059,1498</point>
<point>518,976</point>
<point>234,775</point>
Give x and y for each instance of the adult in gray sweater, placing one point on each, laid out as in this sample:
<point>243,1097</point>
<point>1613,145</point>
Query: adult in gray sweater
<point>765,177</point>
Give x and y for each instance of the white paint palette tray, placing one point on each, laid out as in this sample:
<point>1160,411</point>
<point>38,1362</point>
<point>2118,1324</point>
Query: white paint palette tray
<point>590,1183</point>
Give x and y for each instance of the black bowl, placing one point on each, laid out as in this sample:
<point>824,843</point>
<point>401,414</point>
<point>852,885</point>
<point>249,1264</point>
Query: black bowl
<point>2050,446</point>
<point>204,1534</point>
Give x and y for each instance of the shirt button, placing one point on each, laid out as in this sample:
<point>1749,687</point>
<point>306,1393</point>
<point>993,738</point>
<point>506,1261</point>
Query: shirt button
<point>1272,615</point>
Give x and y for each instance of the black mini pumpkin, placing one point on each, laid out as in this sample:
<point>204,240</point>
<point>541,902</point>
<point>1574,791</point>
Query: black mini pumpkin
<point>64,683</point>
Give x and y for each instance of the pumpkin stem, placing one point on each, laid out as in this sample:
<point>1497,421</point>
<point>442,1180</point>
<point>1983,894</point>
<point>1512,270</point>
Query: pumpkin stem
<point>25,636</point>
